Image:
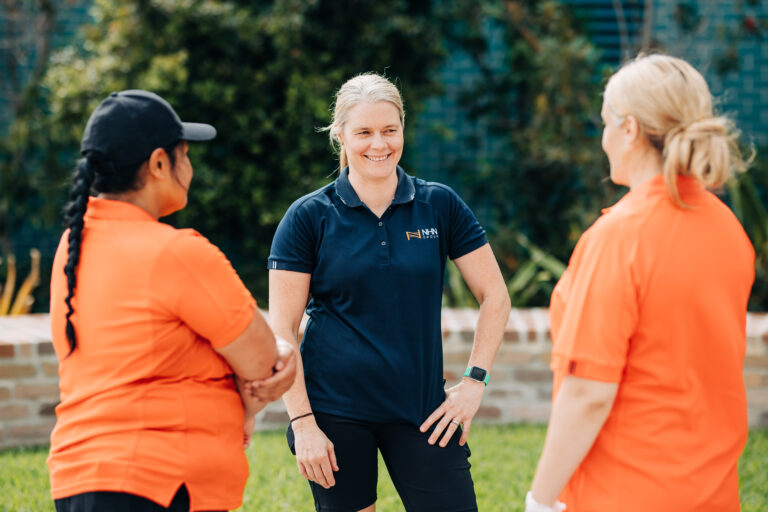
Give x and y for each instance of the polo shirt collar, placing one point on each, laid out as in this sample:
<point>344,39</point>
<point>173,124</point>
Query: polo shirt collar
<point>100,208</point>
<point>687,186</point>
<point>404,193</point>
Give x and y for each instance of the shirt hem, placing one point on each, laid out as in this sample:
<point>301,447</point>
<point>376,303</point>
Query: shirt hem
<point>565,366</point>
<point>469,248</point>
<point>237,328</point>
<point>62,492</point>
<point>293,267</point>
<point>356,414</point>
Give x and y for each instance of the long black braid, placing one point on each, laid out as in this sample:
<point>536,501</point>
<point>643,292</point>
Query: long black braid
<point>94,172</point>
<point>75,211</point>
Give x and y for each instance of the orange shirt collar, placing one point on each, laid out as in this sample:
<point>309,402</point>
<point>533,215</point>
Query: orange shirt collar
<point>100,208</point>
<point>686,185</point>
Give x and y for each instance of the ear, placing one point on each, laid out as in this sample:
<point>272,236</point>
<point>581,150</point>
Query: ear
<point>159,164</point>
<point>631,129</point>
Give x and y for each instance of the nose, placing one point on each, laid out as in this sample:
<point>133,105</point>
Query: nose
<point>378,141</point>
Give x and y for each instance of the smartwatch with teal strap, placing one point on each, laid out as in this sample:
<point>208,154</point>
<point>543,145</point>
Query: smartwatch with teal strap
<point>478,374</point>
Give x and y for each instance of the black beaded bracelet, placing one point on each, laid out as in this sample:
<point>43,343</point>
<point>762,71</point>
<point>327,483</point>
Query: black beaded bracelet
<point>300,416</point>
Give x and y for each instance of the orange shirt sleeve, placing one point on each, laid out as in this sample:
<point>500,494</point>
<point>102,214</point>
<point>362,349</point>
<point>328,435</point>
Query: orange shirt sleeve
<point>203,289</point>
<point>600,305</point>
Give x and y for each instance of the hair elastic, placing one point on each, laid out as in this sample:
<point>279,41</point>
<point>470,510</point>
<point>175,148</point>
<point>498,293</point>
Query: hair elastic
<point>300,416</point>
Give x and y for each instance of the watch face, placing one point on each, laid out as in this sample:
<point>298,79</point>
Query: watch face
<point>477,373</point>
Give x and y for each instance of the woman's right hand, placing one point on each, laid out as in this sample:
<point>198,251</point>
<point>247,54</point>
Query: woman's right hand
<point>315,455</point>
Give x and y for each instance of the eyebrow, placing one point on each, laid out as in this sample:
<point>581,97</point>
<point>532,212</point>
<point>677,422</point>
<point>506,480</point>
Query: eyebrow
<point>383,128</point>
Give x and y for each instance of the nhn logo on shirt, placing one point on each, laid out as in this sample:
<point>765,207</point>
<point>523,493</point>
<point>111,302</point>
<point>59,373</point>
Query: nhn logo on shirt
<point>422,233</point>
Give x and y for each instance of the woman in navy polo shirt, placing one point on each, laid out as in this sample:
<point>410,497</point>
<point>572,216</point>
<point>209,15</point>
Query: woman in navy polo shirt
<point>369,252</point>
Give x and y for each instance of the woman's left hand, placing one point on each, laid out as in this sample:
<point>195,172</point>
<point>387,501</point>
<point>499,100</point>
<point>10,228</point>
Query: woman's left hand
<point>461,404</point>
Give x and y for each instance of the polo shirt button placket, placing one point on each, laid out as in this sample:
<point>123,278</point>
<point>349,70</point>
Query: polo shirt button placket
<point>385,249</point>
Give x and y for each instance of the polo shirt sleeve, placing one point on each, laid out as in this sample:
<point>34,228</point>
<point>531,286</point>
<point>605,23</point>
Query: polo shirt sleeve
<point>293,246</point>
<point>465,232</point>
<point>202,289</point>
<point>601,306</point>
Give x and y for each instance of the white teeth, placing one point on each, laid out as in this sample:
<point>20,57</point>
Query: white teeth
<point>377,158</point>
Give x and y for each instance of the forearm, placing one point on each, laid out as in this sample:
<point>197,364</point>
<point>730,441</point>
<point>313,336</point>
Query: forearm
<point>296,399</point>
<point>491,322</point>
<point>251,405</point>
<point>578,415</point>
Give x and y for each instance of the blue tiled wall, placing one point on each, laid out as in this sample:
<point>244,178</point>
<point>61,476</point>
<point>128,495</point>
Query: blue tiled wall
<point>444,130</point>
<point>743,95</point>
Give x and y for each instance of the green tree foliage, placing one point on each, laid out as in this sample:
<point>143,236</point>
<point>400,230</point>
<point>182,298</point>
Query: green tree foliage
<point>542,103</point>
<point>264,73</point>
<point>748,197</point>
<point>25,43</point>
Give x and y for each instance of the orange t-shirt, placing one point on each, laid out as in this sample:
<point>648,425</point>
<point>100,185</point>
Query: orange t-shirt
<point>146,402</point>
<point>655,299</point>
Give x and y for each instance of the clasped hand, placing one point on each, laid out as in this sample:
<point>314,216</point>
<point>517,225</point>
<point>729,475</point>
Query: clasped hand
<point>258,393</point>
<point>273,387</point>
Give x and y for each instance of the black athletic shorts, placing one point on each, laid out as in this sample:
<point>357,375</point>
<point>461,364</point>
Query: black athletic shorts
<point>102,501</point>
<point>427,478</point>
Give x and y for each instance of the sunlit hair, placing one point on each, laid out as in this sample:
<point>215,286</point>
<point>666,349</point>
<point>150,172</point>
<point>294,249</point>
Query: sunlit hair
<point>368,87</point>
<point>673,107</point>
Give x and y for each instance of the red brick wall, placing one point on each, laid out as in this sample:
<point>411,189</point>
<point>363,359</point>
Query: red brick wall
<point>519,391</point>
<point>28,381</point>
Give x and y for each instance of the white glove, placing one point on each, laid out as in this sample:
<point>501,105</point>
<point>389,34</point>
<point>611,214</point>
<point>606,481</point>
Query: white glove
<point>531,505</point>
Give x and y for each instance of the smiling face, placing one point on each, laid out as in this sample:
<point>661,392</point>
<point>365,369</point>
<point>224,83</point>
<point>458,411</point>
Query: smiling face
<point>372,138</point>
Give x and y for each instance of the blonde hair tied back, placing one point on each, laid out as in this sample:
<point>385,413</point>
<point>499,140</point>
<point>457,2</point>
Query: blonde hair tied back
<point>366,87</point>
<point>673,106</point>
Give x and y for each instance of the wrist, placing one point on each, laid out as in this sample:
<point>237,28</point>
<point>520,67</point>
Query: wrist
<point>480,385</point>
<point>478,374</point>
<point>531,505</point>
<point>301,422</point>
<point>253,407</point>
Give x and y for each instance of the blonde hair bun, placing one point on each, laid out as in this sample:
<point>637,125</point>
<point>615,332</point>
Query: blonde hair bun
<point>701,149</point>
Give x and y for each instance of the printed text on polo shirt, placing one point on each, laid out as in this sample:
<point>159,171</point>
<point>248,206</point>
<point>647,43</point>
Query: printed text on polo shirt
<point>422,233</point>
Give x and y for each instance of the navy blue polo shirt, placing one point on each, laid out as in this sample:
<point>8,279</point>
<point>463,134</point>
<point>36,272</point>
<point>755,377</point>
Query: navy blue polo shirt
<point>372,349</point>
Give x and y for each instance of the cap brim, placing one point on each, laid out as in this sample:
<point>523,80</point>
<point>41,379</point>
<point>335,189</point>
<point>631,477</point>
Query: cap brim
<point>197,131</point>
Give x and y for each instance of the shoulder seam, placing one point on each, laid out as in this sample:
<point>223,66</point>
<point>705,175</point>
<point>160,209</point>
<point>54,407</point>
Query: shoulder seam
<point>312,195</point>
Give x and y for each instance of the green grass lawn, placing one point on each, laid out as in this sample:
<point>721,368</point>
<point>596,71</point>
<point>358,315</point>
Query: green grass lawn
<point>503,461</point>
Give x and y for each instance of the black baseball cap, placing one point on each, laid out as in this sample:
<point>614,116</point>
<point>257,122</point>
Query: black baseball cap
<point>128,125</point>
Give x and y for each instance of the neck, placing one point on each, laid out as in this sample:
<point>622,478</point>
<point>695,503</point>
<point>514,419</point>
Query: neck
<point>377,194</point>
<point>648,164</point>
<point>135,197</point>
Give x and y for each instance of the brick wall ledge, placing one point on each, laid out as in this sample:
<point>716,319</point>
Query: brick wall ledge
<point>520,388</point>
